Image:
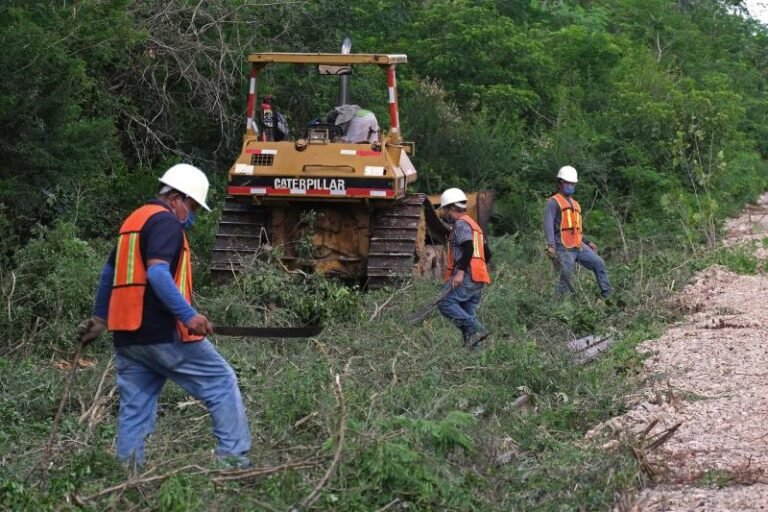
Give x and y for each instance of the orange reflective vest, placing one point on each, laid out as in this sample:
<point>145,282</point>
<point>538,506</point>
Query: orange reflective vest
<point>570,221</point>
<point>126,304</point>
<point>477,267</point>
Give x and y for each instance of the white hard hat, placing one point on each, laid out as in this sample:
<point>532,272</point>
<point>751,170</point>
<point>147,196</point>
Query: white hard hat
<point>568,173</point>
<point>188,180</point>
<point>453,196</point>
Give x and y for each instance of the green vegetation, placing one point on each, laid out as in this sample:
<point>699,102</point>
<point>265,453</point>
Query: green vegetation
<point>427,423</point>
<point>660,104</point>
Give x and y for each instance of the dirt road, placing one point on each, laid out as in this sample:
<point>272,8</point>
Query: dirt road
<point>709,374</point>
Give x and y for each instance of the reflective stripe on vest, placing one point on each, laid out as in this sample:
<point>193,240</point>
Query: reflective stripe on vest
<point>570,221</point>
<point>126,303</point>
<point>477,267</point>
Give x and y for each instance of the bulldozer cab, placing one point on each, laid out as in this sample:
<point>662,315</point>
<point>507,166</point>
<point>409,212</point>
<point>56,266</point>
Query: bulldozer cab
<point>323,129</point>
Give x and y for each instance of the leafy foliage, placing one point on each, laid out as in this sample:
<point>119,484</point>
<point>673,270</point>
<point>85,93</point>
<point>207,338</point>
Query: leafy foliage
<point>266,294</point>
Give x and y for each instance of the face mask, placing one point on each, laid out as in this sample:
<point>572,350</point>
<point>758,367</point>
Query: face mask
<point>569,189</point>
<point>190,220</point>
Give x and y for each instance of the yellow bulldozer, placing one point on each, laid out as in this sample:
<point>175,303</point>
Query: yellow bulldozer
<point>334,198</point>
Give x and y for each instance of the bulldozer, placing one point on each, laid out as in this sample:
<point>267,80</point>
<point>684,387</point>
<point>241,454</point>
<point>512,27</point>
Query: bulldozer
<point>322,201</point>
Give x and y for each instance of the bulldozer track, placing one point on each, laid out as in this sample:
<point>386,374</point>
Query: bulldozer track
<point>239,237</point>
<point>397,241</point>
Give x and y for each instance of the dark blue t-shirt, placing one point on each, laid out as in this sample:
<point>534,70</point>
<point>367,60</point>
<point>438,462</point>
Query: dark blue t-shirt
<point>161,238</point>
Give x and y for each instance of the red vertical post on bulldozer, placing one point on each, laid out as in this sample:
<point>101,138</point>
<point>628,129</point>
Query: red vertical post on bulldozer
<point>393,112</point>
<point>250,121</point>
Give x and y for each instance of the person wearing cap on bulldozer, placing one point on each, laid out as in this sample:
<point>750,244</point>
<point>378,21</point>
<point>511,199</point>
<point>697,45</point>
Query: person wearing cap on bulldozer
<point>467,271</point>
<point>144,299</point>
<point>358,125</point>
<point>566,243</point>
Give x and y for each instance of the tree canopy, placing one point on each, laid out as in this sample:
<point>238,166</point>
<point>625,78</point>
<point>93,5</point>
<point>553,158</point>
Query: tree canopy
<point>661,104</point>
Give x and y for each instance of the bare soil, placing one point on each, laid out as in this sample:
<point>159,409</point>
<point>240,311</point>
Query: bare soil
<point>709,375</point>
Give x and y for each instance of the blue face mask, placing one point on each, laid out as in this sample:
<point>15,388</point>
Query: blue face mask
<point>190,220</point>
<point>569,189</point>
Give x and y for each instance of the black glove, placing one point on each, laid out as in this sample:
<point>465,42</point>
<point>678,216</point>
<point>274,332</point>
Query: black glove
<point>90,329</point>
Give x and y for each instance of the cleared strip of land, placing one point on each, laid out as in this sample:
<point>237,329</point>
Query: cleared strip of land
<point>709,374</point>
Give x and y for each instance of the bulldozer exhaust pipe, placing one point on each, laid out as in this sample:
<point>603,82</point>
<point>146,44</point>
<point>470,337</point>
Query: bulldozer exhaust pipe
<point>346,47</point>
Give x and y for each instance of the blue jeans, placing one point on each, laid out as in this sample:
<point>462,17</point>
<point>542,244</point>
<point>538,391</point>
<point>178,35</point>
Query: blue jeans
<point>460,304</point>
<point>587,258</point>
<point>198,369</point>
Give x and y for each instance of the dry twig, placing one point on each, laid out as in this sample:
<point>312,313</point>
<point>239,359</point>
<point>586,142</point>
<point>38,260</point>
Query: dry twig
<point>265,470</point>
<point>223,476</point>
<point>48,453</point>
<point>388,505</point>
<point>662,437</point>
<point>394,373</point>
<point>94,412</point>
<point>312,496</point>
<point>139,481</point>
<point>521,401</point>
<point>384,304</point>
<point>647,444</point>
<point>10,295</point>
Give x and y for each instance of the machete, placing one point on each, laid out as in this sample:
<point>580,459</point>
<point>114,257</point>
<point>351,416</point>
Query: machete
<point>421,314</point>
<point>268,332</point>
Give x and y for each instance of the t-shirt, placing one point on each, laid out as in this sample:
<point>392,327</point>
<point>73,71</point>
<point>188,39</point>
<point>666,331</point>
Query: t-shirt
<point>462,232</point>
<point>161,238</point>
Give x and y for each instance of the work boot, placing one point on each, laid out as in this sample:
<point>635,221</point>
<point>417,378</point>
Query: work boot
<point>476,338</point>
<point>465,336</point>
<point>132,466</point>
<point>232,462</point>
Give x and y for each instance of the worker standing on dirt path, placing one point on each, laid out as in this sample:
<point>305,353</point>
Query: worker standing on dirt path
<point>566,243</point>
<point>144,298</point>
<point>467,272</point>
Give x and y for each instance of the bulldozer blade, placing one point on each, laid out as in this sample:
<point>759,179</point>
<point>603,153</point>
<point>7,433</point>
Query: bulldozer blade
<point>268,332</point>
<point>417,317</point>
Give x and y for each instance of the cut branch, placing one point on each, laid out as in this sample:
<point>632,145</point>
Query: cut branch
<point>342,428</point>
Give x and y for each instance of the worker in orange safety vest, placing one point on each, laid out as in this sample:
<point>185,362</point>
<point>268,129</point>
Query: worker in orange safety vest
<point>145,299</point>
<point>566,242</point>
<point>467,271</point>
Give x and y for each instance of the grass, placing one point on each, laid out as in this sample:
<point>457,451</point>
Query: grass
<point>426,424</point>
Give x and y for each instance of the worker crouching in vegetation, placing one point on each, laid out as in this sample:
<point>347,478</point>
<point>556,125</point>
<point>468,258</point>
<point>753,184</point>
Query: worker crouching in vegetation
<point>144,298</point>
<point>566,243</point>
<point>467,272</point>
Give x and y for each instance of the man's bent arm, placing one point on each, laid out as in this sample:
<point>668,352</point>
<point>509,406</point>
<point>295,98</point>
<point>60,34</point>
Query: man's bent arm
<point>104,292</point>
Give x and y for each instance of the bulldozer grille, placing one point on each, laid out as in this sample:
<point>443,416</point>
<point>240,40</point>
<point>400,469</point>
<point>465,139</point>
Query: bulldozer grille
<point>262,160</point>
